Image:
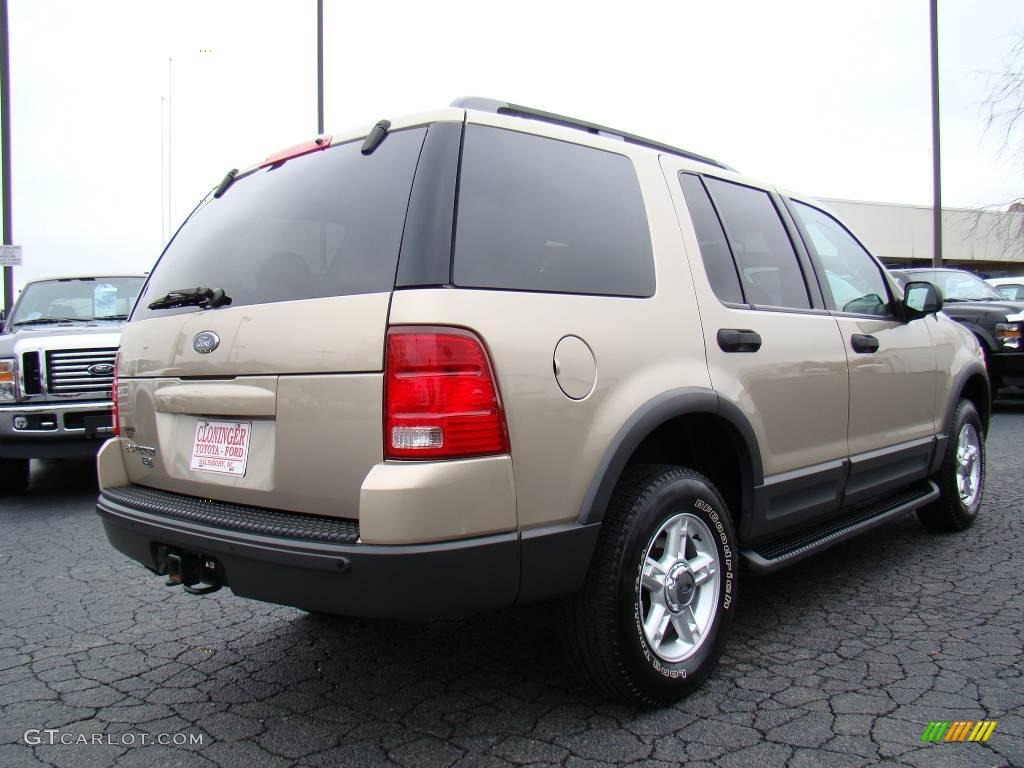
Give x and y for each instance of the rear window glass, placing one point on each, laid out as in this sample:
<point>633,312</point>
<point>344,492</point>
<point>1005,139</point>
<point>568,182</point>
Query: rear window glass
<point>537,214</point>
<point>767,263</point>
<point>324,224</point>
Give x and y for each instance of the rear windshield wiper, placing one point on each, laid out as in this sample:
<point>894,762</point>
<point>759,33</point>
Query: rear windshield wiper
<point>207,298</point>
<point>52,320</point>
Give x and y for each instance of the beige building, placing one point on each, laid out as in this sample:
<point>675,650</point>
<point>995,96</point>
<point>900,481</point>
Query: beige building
<point>989,243</point>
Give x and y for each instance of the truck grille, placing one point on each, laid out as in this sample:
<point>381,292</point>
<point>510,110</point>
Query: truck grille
<point>68,373</point>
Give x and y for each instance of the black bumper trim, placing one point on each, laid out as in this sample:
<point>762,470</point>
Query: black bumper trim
<point>407,581</point>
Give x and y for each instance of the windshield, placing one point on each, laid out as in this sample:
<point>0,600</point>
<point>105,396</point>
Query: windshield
<point>328,223</point>
<point>958,286</point>
<point>77,300</point>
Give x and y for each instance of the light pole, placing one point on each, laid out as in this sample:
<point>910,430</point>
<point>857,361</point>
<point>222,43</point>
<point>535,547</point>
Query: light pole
<point>5,151</point>
<point>319,66</point>
<point>936,154</point>
<point>170,133</point>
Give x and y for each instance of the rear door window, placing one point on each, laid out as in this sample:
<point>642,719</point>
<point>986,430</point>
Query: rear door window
<point>324,224</point>
<point>536,214</point>
<point>714,250</point>
<point>768,267</point>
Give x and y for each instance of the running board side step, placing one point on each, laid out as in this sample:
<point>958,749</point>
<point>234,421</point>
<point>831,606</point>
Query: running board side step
<point>767,558</point>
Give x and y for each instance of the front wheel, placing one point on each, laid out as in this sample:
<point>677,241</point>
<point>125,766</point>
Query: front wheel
<point>961,479</point>
<point>13,475</point>
<point>651,620</point>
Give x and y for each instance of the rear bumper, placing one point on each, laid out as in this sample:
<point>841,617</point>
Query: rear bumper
<point>386,581</point>
<point>454,563</point>
<point>351,579</point>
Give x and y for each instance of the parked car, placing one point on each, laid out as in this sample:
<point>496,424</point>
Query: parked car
<point>56,369</point>
<point>1011,287</point>
<point>489,355</point>
<point>995,320</point>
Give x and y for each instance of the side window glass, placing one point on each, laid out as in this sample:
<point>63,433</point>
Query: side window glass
<point>854,279</point>
<point>768,268</point>
<point>1012,291</point>
<point>714,250</point>
<point>536,214</point>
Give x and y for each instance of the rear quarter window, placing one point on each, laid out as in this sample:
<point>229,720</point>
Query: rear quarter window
<point>537,214</point>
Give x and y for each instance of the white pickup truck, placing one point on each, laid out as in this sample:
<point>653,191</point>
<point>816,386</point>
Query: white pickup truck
<point>57,353</point>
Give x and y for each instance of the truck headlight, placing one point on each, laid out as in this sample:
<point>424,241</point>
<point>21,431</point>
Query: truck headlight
<point>7,389</point>
<point>1008,335</point>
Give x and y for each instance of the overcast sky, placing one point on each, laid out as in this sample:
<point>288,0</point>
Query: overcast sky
<point>824,97</point>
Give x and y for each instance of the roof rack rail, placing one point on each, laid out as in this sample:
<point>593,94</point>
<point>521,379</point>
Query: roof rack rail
<point>515,110</point>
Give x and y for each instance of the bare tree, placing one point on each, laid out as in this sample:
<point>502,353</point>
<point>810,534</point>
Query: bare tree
<point>1004,106</point>
<point>1003,112</point>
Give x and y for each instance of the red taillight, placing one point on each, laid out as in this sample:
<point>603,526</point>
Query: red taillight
<point>113,396</point>
<point>440,396</point>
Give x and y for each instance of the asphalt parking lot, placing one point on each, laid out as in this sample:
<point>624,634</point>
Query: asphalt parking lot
<point>842,660</point>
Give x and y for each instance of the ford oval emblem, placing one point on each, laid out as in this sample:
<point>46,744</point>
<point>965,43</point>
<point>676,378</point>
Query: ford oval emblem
<point>101,369</point>
<point>205,342</point>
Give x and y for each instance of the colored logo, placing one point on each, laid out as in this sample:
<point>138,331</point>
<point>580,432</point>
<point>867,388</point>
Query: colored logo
<point>958,730</point>
<point>100,369</point>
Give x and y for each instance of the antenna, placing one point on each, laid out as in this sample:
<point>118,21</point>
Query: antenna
<point>163,175</point>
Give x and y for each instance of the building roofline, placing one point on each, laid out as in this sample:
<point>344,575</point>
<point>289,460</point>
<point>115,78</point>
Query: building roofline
<point>915,206</point>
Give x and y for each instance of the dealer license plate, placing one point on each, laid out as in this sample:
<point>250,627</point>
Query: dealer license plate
<point>221,446</point>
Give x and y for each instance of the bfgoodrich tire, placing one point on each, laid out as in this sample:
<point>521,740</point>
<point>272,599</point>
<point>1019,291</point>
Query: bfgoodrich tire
<point>652,617</point>
<point>961,479</point>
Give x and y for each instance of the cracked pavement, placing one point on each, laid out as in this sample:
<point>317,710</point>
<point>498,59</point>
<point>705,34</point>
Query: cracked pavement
<point>841,660</point>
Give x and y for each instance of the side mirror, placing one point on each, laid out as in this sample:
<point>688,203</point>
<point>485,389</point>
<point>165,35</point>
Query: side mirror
<point>921,299</point>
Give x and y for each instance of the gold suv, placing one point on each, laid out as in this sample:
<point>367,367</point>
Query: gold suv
<point>490,355</point>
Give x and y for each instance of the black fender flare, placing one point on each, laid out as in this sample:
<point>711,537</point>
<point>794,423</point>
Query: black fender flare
<point>651,415</point>
<point>956,392</point>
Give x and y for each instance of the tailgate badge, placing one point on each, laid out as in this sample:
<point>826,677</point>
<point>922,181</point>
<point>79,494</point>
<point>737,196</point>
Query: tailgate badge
<point>205,342</point>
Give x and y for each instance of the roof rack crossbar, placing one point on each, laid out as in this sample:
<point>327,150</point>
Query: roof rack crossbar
<point>515,110</point>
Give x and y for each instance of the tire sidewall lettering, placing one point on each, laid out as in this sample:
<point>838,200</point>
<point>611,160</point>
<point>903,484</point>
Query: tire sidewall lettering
<point>708,511</point>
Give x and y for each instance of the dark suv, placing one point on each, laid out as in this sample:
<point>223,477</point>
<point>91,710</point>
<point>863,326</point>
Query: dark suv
<point>994,319</point>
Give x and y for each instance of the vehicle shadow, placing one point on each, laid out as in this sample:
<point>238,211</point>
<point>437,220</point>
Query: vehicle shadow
<point>53,481</point>
<point>58,477</point>
<point>505,672</point>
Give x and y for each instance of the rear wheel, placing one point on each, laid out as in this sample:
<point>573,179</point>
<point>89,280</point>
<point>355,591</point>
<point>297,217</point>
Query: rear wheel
<point>653,615</point>
<point>961,479</point>
<point>13,475</point>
